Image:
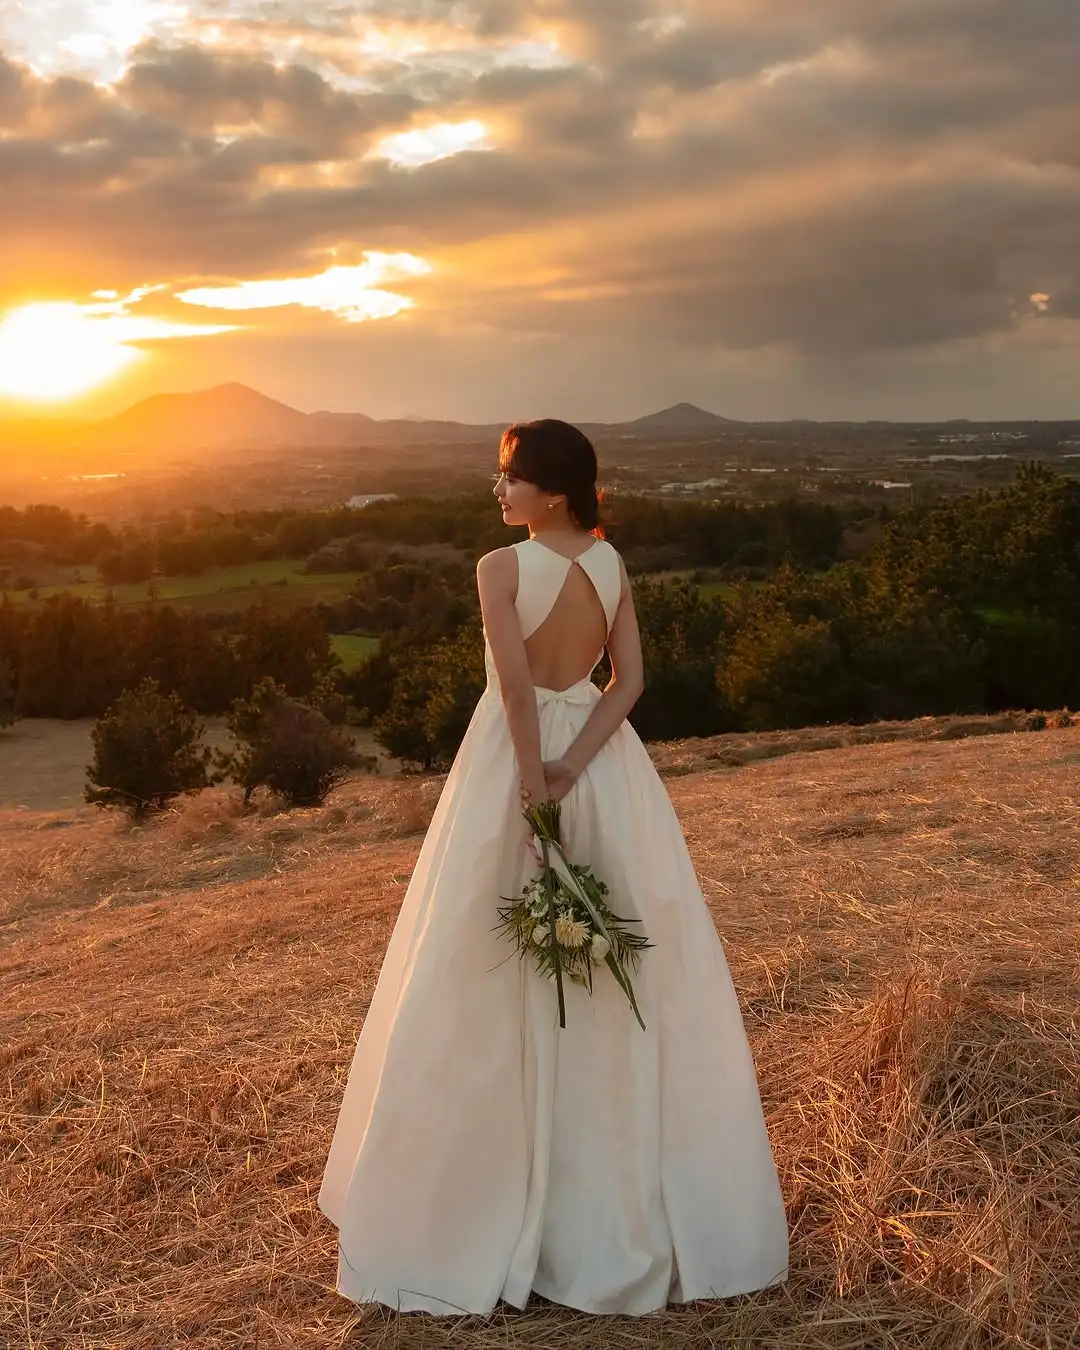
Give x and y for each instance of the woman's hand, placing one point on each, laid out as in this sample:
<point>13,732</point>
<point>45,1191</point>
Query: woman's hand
<point>531,796</point>
<point>560,778</point>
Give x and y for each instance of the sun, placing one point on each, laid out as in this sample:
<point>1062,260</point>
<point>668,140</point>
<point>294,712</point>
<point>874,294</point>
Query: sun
<point>53,351</point>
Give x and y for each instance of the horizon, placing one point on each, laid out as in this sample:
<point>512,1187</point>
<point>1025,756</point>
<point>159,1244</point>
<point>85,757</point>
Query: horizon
<point>789,212</point>
<point>51,416</point>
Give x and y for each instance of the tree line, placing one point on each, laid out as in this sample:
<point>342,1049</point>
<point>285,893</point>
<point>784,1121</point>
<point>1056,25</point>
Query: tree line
<point>652,535</point>
<point>973,605</point>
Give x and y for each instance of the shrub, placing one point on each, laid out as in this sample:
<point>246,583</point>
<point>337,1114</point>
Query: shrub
<point>287,746</point>
<point>7,694</point>
<point>778,672</point>
<point>435,692</point>
<point>680,632</point>
<point>146,751</point>
<point>401,729</point>
<point>126,565</point>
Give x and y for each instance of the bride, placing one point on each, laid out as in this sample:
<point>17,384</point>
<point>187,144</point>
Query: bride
<point>482,1153</point>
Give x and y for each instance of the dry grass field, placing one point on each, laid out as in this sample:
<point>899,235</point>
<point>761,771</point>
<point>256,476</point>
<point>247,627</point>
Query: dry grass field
<point>180,1003</point>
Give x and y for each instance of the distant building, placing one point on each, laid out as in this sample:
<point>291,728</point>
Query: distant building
<point>366,498</point>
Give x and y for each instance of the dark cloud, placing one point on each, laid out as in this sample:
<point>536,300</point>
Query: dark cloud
<point>202,91</point>
<point>831,176</point>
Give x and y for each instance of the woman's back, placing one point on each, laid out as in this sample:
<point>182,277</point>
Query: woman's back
<point>566,606</point>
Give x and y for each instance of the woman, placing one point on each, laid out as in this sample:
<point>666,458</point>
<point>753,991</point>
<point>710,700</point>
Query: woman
<point>481,1152</point>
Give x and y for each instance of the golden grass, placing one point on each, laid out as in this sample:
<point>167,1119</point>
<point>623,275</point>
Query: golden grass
<point>736,748</point>
<point>181,1001</point>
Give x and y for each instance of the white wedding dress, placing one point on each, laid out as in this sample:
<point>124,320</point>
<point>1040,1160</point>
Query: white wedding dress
<point>481,1152</point>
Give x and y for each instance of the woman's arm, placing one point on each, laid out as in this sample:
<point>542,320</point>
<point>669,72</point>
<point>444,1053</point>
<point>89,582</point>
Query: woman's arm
<point>496,582</point>
<point>623,689</point>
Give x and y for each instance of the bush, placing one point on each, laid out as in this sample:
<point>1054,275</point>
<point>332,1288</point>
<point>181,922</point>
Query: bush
<point>401,728</point>
<point>7,694</point>
<point>292,649</point>
<point>287,746</point>
<point>778,672</point>
<point>680,633</point>
<point>146,752</point>
<point>129,565</point>
<point>435,692</point>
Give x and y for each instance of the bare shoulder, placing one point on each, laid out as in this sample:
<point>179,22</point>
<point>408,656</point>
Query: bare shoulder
<point>497,570</point>
<point>497,561</point>
<point>623,577</point>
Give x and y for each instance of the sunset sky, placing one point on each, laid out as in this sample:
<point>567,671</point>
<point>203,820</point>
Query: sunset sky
<point>509,208</point>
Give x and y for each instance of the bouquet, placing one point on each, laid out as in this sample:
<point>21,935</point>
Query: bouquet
<point>563,921</point>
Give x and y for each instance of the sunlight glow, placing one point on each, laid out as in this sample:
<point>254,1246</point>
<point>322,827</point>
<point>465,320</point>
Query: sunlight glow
<point>85,35</point>
<point>352,293</point>
<point>55,350</point>
<point>340,42</point>
<point>424,145</point>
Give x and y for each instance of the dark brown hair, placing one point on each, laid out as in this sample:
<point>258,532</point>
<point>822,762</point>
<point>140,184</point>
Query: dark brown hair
<point>556,457</point>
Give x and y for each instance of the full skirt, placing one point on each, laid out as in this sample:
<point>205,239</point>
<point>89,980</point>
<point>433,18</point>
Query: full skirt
<point>482,1152</point>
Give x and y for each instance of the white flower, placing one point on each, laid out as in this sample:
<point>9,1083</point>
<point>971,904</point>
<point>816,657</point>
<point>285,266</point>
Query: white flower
<point>571,932</point>
<point>540,935</point>
<point>599,947</point>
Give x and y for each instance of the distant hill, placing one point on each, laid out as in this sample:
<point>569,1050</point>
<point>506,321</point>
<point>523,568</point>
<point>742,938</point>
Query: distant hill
<point>680,417</point>
<point>235,416</point>
<point>335,422</point>
<point>226,415</point>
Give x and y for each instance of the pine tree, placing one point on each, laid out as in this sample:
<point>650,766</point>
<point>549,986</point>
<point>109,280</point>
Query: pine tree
<point>147,750</point>
<point>287,746</point>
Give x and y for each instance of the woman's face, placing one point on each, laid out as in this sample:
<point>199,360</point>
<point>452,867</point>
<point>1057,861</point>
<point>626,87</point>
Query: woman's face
<point>522,503</point>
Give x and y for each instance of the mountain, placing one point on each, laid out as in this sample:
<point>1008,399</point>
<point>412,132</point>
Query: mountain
<point>224,416</point>
<point>680,417</point>
<point>235,417</point>
<point>232,415</point>
<point>338,421</point>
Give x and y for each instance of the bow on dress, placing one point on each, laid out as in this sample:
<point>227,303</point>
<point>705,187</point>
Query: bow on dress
<point>578,695</point>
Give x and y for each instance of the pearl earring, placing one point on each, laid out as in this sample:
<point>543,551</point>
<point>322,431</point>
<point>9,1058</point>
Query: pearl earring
<point>551,506</point>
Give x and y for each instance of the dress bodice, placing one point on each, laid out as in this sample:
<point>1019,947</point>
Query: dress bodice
<point>541,575</point>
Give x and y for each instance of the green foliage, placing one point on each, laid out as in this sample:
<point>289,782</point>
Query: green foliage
<point>147,750</point>
<point>185,555</point>
<point>287,746</point>
<point>7,694</point>
<point>434,693</point>
<point>459,678</point>
<point>783,672</point>
<point>293,649</point>
<point>400,730</point>
<point>132,563</point>
<point>679,631</point>
<point>66,666</point>
<point>971,604</point>
<point>974,606</point>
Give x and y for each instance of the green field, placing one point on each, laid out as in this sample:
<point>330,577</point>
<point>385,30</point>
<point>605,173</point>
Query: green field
<point>279,583</point>
<point>352,649</point>
<point>221,588</point>
<point>708,590</point>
